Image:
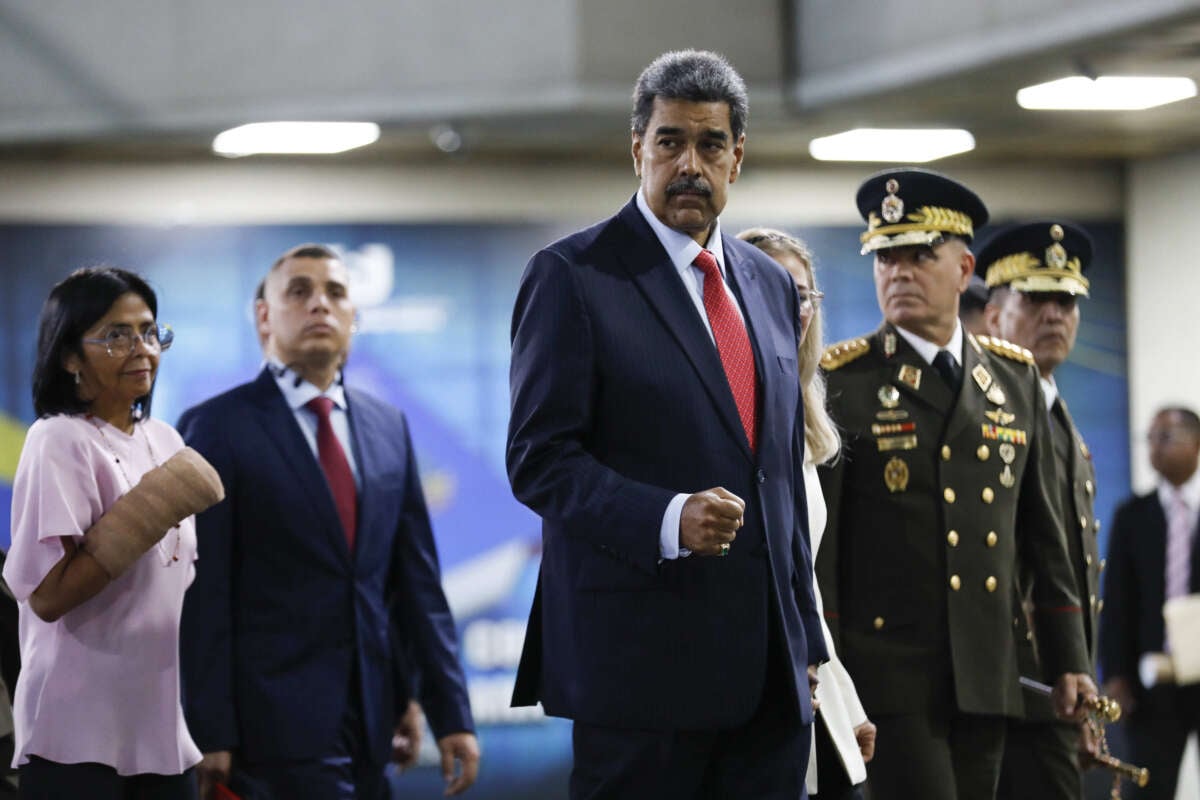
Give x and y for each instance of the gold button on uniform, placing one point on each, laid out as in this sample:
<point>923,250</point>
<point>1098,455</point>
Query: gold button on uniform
<point>990,583</point>
<point>955,582</point>
<point>1092,601</point>
<point>1103,564</point>
<point>1099,606</point>
<point>1087,559</point>
<point>991,539</point>
<point>987,494</point>
<point>1089,487</point>
<point>1096,526</point>
<point>1029,636</point>
<point>1082,522</point>
<point>948,494</point>
<point>945,452</point>
<point>879,623</point>
<point>983,452</point>
<point>952,538</point>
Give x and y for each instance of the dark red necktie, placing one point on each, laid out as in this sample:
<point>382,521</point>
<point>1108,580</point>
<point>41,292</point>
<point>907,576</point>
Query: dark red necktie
<point>733,343</point>
<point>336,467</point>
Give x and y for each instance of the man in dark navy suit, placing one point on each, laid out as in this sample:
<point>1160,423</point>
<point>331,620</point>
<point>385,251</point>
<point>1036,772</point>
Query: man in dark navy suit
<point>657,429</point>
<point>318,593</point>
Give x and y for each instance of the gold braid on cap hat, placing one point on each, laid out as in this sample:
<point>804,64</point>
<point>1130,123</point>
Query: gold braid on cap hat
<point>1026,265</point>
<point>925,218</point>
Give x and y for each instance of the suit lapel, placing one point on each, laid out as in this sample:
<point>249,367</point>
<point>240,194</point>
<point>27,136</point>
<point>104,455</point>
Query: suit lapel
<point>367,457</point>
<point>658,280</point>
<point>279,423</point>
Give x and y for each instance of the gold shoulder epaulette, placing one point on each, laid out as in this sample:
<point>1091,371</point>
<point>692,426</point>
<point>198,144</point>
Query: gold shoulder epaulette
<point>1006,348</point>
<point>842,353</point>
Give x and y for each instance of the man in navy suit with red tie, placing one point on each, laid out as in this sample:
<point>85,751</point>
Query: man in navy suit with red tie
<point>657,429</point>
<point>317,592</point>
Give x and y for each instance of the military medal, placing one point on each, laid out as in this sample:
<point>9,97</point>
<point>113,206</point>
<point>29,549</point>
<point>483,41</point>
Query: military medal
<point>889,344</point>
<point>909,375</point>
<point>1007,479</point>
<point>907,442</point>
<point>1007,453</point>
<point>891,415</point>
<point>889,396</point>
<point>895,475</point>
<point>999,416</point>
<point>996,394</point>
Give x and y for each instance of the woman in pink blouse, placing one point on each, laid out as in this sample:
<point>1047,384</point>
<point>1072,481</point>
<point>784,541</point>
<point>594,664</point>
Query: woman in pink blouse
<point>103,541</point>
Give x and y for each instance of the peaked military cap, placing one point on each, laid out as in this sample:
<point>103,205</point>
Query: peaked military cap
<point>916,206</point>
<point>1044,256</point>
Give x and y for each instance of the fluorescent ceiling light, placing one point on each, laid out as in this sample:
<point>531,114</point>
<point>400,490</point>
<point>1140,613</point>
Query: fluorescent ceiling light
<point>897,145</point>
<point>1107,93</point>
<point>294,138</point>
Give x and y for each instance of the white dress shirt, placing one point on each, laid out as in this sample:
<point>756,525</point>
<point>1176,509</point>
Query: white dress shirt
<point>298,394</point>
<point>927,349</point>
<point>682,250</point>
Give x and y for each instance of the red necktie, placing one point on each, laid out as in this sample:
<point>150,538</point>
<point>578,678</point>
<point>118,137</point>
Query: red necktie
<point>336,467</point>
<point>733,344</point>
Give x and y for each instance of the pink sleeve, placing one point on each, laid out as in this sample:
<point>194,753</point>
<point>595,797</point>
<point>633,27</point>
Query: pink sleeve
<point>55,494</point>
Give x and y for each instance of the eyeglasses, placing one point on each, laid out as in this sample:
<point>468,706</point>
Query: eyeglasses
<point>811,299</point>
<point>119,342</point>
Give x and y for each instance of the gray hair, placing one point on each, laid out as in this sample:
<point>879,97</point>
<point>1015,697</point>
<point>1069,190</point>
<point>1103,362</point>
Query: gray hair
<point>697,76</point>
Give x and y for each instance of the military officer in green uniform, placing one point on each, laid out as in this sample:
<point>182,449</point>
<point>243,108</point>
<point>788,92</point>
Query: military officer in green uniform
<point>1035,274</point>
<point>945,487</point>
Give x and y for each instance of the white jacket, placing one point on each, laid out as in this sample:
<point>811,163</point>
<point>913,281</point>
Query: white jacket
<point>841,711</point>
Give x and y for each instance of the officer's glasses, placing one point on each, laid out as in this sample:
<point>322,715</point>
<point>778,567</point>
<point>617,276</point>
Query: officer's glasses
<point>119,342</point>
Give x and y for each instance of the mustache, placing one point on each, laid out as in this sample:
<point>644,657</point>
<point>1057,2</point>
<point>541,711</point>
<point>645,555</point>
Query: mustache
<point>689,186</point>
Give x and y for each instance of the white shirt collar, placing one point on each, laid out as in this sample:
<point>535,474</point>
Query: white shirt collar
<point>298,395</point>
<point>927,349</point>
<point>682,248</point>
<point>1190,492</point>
<point>1049,389</point>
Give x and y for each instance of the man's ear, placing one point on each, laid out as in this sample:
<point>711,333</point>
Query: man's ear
<point>636,152</point>
<point>739,150</point>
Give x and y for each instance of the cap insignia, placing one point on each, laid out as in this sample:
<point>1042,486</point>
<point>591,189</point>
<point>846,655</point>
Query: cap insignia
<point>893,206</point>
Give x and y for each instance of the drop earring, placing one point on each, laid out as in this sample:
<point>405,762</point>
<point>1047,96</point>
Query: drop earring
<point>77,381</point>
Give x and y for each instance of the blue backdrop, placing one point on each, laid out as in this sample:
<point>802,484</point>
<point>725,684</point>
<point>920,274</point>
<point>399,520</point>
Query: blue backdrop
<point>434,304</point>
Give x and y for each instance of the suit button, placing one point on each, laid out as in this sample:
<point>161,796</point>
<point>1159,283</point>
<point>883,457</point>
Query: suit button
<point>878,623</point>
<point>760,476</point>
<point>955,582</point>
<point>952,538</point>
<point>948,494</point>
<point>991,539</point>
<point>987,494</point>
<point>983,452</point>
<point>990,583</point>
<point>945,452</point>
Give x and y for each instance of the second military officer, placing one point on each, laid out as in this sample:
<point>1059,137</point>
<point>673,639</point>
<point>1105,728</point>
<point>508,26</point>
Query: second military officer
<point>945,488</point>
<point>1035,272</point>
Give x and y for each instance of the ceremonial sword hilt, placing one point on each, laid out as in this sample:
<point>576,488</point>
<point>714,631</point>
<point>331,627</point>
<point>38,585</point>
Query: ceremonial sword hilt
<point>1101,709</point>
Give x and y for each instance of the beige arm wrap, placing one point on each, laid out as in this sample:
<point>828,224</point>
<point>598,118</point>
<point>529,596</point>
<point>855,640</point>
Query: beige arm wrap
<point>185,485</point>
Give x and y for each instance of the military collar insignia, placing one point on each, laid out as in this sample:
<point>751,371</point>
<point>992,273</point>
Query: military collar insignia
<point>982,377</point>
<point>909,375</point>
<point>889,344</point>
<point>996,394</point>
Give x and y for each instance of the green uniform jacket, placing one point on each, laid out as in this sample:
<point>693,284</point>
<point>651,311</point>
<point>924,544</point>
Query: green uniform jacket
<point>1077,488</point>
<point>933,504</point>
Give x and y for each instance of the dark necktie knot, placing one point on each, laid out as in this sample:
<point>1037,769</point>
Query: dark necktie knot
<point>948,369</point>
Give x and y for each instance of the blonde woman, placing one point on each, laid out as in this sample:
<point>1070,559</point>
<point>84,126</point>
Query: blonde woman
<point>845,739</point>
